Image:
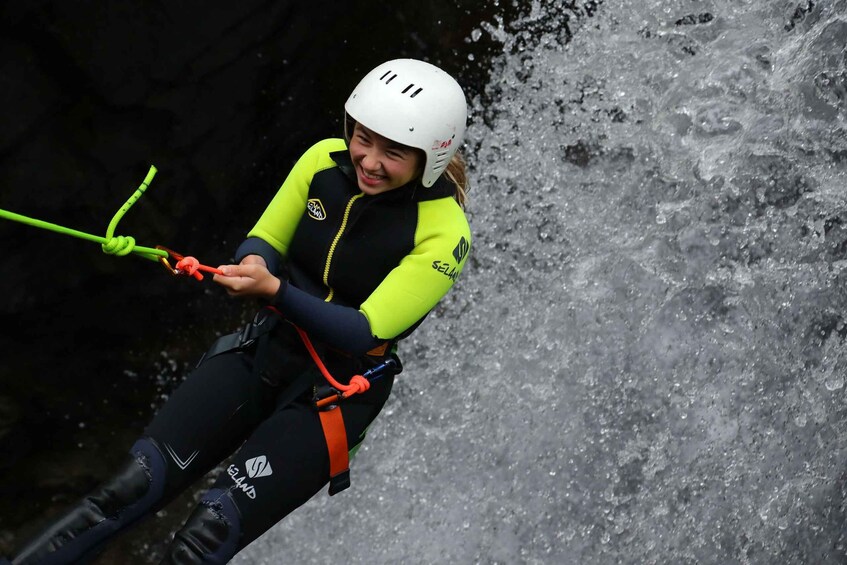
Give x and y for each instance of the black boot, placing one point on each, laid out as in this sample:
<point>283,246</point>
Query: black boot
<point>211,534</point>
<point>113,506</point>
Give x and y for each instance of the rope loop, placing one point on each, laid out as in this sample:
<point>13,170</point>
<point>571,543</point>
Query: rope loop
<point>358,384</point>
<point>191,267</point>
<point>119,245</point>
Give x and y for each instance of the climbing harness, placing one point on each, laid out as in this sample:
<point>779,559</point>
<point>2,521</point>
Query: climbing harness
<point>326,398</point>
<point>123,245</point>
<point>263,323</point>
<point>327,401</point>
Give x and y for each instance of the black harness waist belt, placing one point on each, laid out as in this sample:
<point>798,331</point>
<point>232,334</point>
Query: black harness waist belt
<point>263,323</point>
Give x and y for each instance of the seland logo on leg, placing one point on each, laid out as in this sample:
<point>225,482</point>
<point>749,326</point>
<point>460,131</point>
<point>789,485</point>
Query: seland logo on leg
<point>316,209</point>
<point>256,467</point>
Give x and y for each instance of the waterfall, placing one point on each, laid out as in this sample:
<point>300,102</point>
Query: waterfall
<point>644,360</point>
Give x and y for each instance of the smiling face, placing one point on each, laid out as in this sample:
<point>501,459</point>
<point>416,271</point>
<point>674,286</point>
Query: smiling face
<point>381,164</point>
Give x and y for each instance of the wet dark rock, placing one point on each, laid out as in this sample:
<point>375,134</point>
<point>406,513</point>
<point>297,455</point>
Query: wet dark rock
<point>694,19</point>
<point>580,153</point>
<point>222,99</point>
<point>800,12</point>
<point>773,182</point>
<point>835,235</point>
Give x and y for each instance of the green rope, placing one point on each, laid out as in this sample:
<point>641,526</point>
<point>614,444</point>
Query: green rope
<point>120,245</point>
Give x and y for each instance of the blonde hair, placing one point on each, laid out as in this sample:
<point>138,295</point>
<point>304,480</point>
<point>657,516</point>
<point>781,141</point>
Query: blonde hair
<point>457,173</point>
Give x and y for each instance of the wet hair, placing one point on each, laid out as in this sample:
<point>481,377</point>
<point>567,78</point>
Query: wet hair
<point>456,171</point>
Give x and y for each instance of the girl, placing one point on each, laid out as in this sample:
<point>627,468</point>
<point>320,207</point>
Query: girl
<point>362,240</point>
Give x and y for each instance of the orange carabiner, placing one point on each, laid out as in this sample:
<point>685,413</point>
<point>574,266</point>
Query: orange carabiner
<point>184,265</point>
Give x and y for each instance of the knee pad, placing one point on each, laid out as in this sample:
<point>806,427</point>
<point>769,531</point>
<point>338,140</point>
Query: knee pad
<point>212,533</point>
<point>137,488</point>
<point>111,507</point>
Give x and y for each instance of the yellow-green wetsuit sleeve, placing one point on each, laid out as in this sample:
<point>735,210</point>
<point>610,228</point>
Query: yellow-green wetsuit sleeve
<point>279,220</point>
<point>414,287</point>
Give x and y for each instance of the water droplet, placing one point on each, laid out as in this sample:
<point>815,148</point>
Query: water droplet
<point>834,382</point>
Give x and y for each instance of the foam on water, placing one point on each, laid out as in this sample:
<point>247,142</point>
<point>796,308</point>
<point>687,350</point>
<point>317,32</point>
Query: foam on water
<point>644,361</point>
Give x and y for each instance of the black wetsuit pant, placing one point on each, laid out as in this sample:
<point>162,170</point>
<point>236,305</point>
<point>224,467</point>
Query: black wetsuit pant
<point>226,405</point>
<point>225,402</point>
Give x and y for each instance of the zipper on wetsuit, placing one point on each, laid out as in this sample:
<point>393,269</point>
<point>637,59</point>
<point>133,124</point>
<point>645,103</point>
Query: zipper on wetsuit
<point>335,243</point>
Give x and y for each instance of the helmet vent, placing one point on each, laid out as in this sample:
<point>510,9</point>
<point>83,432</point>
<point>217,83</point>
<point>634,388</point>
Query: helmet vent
<point>392,77</point>
<point>410,87</point>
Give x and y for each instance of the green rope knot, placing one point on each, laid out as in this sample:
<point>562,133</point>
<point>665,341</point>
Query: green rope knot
<point>119,245</point>
<point>124,245</point>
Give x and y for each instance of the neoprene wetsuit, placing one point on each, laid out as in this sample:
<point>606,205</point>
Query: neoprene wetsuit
<point>363,271</point>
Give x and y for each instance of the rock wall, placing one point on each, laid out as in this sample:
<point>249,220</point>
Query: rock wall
<point>222,98</point>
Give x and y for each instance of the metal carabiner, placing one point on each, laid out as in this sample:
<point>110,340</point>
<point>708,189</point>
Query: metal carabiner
<point>172,255</point>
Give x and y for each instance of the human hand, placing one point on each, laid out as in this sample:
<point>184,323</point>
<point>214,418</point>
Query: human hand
<point>250,278</point>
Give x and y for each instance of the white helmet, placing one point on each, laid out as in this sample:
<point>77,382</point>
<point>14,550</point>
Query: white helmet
<point>416,104</point>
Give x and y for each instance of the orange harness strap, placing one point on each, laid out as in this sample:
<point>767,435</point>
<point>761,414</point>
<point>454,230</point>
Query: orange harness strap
<point>332,422</point>
<point>336,444</point>
<point>329,410</point>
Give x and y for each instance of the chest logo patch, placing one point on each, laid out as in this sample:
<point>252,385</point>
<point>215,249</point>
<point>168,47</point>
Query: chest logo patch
<point>316,209</point>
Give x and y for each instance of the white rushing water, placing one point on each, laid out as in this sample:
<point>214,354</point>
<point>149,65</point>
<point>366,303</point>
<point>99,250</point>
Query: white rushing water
<point>645,360</point>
